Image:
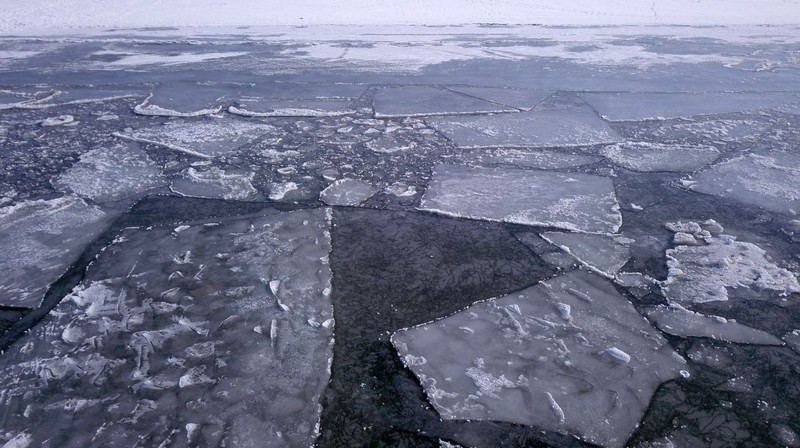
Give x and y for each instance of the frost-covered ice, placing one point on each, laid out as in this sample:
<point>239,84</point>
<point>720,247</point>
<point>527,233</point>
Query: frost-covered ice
<point>201,139</point>
<point>706,271</point>
<point>522,99</point>
<point>111,173</point>
<point>677,320</point>
<point>538,357</point>
<point>768,179</point>
<point>39,240</point>
<point>574,201</point>
<point>268,107</point>
<point>543,159</point>
<point>419,101</point>
<point>111,58</point>
<point>60,120</point>
<point>283,191</point>
<point>651,106</point>
<point>185,100</point>
<point>213,182</point>
<point>157,345</point>
<point>347,192</point>
<point>645,156</point>
<point>546,128</point>
<point>604,254</point>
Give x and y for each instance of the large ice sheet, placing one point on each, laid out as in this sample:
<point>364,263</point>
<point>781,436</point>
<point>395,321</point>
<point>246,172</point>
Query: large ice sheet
<point>679,321</point>
<point>546,128</point>
<point>646,156</point>
<point>768,179</point>
<point>574,201</point>
<point>543,159</point>
<point>419,101</point>
<point>200,139</point>
<point>185,100</point>
<point>569,354</point>
<point>208,334</point>
<point>522,99</point>
<point>650,106</point>
<point>347,192</point>
<point>111,173</point>
<point>603,254</point>
<point>39,240</point>
<point>213,182</point>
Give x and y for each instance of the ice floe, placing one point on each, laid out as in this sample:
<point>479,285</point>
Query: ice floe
<point>347,192</point>
<point>39,240</point>
<point>543,159</point>
<point>546,128</point>
<point>111,173</point>
<point>60,120</point>
<point>268,107</point>
<point>185,100</point>
<point>213,182</point>
<point>603,254</point>
<point>420,101</point>
<point>200,139</point>
<point>645,156</point>
<point>537,357</point>
<point>522,99</point>
<point>128,59</point>
<point>768,179</point>
<point>679,321</point>
<point>578,202</point>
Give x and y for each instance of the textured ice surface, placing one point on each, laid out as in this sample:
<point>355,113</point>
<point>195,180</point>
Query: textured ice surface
<point>522,99</point>
<point>603,254</point>
<point>213,182</point>
<point>644,156</point>
<point>202,335</point>
<point>547,128</point>
<point>111,173</point>
<point>644,106</point>
<point>569,354</point>
<point>60,120</point>
<point>679,321</point>
<point>579,202</point>
<point>184,100</point>
<point>704,272</point>
<point>543,159</point>
<point>39,240</point>
<point>418,101</point>
<point>347,192</point>
<point>768,179</point>
<point>267,107</point>
<point>201,139</point>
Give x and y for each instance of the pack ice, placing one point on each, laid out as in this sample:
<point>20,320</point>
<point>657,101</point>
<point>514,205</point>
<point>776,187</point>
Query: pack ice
<point>207,334</point>
<point>537,357</point>
<point>574,201</point>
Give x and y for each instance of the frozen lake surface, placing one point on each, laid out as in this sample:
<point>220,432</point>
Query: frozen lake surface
<point>471,236</point>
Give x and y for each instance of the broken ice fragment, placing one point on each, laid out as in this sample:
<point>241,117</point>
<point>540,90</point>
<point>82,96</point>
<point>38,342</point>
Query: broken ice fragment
<point>419,101</point>
<point>347,192</point>
<point>201,139</point>
<point>616,354</point>
<point>57,121</point>
<point>269,107</point>
<point>679,321</point>
<point>214,182</point>
<point>601,253</point>
<point>644,156</point>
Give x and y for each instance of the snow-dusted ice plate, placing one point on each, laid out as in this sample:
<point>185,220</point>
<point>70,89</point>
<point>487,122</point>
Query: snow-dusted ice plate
<point>542,159</point>
<point>646,156</point>
<point>571,201</point>
<point>603,254</point>
<point>522,99</point>
<point>420,101</point>
<point>677,320</point>
<point>213,182</point>
<point>568,355</point>
<point>267,107</point>
<point>347,192</point>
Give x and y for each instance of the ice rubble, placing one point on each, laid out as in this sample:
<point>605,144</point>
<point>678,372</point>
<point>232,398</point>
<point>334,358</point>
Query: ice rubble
<point>268,107</point>
<point>347,192</point>
<point>603,254</point>
<point>574,201</point>
<point>420,101</point>
<point>158,343</point>
<point>213,182</point>
<point>650,106</point>
<point>543,159</point>
<point>645,156</point>
<point>545,128</point>
<point>677,320</point>
<point>39,240</point>
<point>205,139</point>
<point>537,357</point>
<point>111,173</point>
<point>61,120</point>
<point>522,99</point>
<point>768,179</point>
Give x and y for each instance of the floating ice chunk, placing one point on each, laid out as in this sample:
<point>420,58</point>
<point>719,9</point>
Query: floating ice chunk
<point>522,99</point>
<point>684,239</point>
<point>643,156</point>
<point>401,190</point>
<point>600,253</point>
<point>111,173</point>
<point>21,440</point>
<point>712,227</point>
<point>201,139</point>
<point>268,107</point>
<point>39,240</point>
<point>420,101</point>
<point>110,58</point>
<point>703,273</point>
<point>649,106</point>
<point>347,192</point>
<point>58,121</point>
<point>549,128</point>
<point>679,321</point>
<point>389,144</point>
<point>214,182</point>
<point>792,338</point>
<point>278,192</point>
<point>543,159</point>
<point>768,179</point>
<point>532,368</point>
<point>578,202</point>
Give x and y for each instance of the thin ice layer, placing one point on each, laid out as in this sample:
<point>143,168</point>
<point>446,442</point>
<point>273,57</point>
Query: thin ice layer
<point>649,106</point>
<point>569,354</point>
<point>39,240</point>
<point>268,107</point>
<point>542,159</point>
<point>603,254</point>
<point>347,192</point>
<point>768,179</point>
<point>420,101</point>
<point>185,100</point>
<point>546,128</point>
<point>522,99</point>
<point>677,320</point>
<point>215,334</point>
<point>574,201</point>
<point>200,139</point>
<point>213,182</point>
<point>645,156</point>
<point>111,173</point>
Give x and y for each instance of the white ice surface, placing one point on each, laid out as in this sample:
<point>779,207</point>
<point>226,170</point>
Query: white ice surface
<point>522,99</point>
<point>679,321</point>
<point>645,156</point>
<point>201,139</point>
<point>540,356</point>
<point>600,253</point>
<point>213,182</point>
<point>578,202</point>
<point>268,107</point>
<point>347,192</point>
<point>542,159</point>
<point>127,60</point>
